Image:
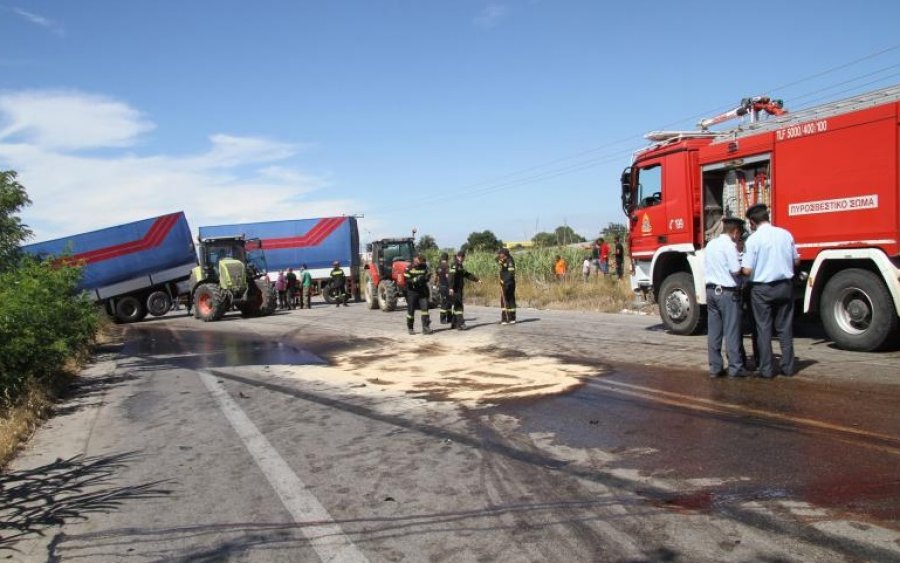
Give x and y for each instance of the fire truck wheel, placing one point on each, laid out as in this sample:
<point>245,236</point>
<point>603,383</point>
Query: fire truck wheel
<point>129,309</point>
<point>387,295</point>
<point>158,303</point>
<point>857,311</point>
<point>371,296</point>
<point>678,306</point>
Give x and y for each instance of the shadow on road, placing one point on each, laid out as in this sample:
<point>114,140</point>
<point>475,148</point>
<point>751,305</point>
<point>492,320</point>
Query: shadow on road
<point>236,540</point>
<point>32,500</point>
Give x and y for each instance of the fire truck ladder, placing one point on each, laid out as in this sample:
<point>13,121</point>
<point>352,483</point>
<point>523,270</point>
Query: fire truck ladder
<point>870,99</point>
<point>752,106</point>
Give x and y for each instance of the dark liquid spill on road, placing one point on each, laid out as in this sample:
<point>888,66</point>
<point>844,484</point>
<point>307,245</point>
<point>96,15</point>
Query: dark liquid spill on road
<point>198,349</point>
<point>746,440</point>
<point>668,424</point>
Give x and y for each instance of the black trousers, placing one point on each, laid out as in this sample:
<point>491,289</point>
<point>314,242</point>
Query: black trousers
<point>456,308</point>
<point>446,304</point>
<point>339,292</point>
<point>773,308</point>
<point>416,300</point>
<point>620,266</point>
<point>508,303</point>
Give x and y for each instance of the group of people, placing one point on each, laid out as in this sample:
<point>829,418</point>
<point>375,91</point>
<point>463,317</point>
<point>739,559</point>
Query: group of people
<point>762,266</point>
<point>450,278</point>
<point>597,262</point>
<point>294,291</point>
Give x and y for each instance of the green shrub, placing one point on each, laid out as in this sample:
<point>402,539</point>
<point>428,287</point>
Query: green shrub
<point>43,323</point>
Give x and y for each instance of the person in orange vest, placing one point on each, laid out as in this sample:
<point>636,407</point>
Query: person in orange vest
<point>560,267</point>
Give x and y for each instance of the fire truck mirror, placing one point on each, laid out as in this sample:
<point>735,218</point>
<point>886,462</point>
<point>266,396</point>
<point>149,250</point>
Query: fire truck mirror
<point>627,201</point>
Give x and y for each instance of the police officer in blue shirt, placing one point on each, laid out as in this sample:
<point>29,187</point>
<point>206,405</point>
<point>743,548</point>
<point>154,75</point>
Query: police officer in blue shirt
<point>770,258</point>
<point>723,299</point>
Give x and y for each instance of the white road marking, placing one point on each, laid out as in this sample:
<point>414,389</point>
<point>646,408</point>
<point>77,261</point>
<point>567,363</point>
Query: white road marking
<point>317,525</point>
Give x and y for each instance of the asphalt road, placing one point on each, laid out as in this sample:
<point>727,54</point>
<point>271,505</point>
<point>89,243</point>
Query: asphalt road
<point>333,435</point>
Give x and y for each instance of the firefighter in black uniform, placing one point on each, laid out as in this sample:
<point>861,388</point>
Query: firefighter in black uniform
<point>457,280</point>
<point>416,275</point>
<point>507,287</point>
<point>338,285</point>
<point>442,274</point>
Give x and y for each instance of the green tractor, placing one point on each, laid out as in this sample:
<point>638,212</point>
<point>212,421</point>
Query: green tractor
<point>232,273</point>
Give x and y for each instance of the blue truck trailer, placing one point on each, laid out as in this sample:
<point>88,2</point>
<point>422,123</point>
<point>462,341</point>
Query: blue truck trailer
<point>318,243</point>
<point>131,269</point>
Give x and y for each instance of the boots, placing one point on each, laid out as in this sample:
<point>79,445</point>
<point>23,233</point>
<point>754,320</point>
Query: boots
<point>426,326</point>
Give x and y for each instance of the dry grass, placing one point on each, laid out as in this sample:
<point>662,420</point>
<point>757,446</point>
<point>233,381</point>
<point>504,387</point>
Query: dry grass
<point>19,421</point>
<point>604,294</point>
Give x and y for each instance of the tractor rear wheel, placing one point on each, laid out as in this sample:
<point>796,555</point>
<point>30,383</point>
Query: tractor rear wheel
<point>210,302</point>
<point>371,293</point>
<point>387,295</point>
<point>158,303</point>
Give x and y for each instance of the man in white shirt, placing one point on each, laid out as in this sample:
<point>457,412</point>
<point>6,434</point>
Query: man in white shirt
<point>770,257</point>
<point>723,299</point>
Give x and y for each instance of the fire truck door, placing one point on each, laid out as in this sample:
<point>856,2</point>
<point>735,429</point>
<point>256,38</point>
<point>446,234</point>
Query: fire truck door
<point>649,228</point>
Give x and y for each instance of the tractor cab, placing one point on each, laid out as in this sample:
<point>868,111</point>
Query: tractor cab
<point>212,252</point>
<point>387,252</point>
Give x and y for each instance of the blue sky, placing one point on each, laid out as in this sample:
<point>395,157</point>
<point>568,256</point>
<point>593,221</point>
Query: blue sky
<point>446,115</point>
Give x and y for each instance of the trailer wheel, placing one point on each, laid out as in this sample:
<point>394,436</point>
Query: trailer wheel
<point>371,294</point>
<point>678,307</point>
<point>129,309</point>
<point>857,311</point>
<point>269,298</point>
<point>158,303</point>
<point>252,306</point>
<point>210,303</point>
<point>387,295</point>
<point>327,294</point>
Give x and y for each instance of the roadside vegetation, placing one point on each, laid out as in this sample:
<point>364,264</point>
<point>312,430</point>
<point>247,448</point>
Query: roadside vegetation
<point>537,285</point>
<point>46,326</point>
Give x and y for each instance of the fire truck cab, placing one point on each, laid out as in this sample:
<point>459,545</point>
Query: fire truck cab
<point>829,175</point>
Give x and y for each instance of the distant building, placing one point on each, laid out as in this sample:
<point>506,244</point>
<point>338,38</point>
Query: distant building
<point>524,244</point>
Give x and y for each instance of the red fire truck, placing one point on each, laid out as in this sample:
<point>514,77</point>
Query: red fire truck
<point>829,175</point>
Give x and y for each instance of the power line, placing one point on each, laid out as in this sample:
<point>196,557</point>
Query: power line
<point>515,178</point>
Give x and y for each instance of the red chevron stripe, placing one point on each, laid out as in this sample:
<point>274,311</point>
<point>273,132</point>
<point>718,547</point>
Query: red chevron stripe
<point>154,236</point>
<point>322,230</point>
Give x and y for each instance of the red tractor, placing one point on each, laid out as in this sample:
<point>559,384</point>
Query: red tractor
<point>384,281</point>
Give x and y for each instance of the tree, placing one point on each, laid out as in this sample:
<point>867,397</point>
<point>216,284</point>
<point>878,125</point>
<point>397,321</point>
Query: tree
<point>614,230</point>
<point>561,236</point>
<point>566,235</point>
<point>544,240</point>
<point>426,243</point>
<point>485,240</point>
<point>12,231</point>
